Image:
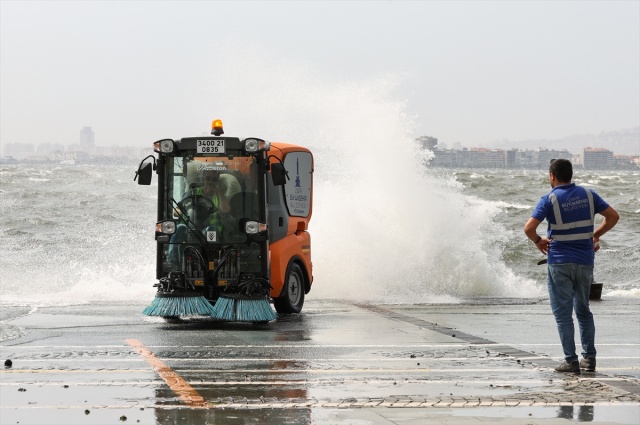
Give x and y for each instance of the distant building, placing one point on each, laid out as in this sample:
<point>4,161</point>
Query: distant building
<point>510,158</point>
<point>8,160</point>
<point>496,158</point>
<point>626,162</point>
<point>445,158</point>
<point>427,142</point>
<point>18,150</point>
<point>486,158</point>
<point>540,158</point>
<point>87,140</point>
<point>597,159</point>
<point>44,149</point>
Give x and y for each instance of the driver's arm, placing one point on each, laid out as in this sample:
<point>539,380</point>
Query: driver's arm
<point>177,213</point>
<point>227,186</point>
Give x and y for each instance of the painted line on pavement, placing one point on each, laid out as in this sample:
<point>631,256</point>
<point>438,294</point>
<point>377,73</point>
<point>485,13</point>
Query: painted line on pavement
<point>301,371</point>
<point>306,359</point>
<point>627,385</point>
<point>185,392</point>
<point>339,403</point>
<point>213,347</point>
<point>197,381</point>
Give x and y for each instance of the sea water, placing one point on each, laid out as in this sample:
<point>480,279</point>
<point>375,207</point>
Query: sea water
<point>386,226</point>
<point>85,233</point>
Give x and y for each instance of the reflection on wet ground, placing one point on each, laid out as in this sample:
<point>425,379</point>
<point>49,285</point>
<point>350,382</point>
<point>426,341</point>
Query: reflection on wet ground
<point>336,363</point>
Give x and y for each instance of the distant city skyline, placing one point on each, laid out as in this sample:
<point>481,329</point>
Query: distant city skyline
<point>623,141</point>
<point>588,158</point>
<point>84,148</point>
<point>592,157</point>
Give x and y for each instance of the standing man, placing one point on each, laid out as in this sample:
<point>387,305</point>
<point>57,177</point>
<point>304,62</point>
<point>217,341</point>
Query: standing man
<point>570,246</point>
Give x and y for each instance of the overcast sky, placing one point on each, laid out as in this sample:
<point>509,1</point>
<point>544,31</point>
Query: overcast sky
<point>469,72</point>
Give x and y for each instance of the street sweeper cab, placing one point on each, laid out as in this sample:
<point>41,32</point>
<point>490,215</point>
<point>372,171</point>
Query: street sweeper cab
<point>231,228</point>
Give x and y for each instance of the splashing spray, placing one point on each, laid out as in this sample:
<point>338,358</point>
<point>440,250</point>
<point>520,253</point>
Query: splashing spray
<point>385,229</point>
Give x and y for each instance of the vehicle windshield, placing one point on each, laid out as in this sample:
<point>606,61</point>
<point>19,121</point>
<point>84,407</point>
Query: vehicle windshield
<point>210,198</point>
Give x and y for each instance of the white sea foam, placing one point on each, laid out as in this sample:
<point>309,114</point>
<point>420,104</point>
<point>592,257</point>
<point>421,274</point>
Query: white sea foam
<point>623,293</point>
<point>498,204</point>
<point>382,228</point>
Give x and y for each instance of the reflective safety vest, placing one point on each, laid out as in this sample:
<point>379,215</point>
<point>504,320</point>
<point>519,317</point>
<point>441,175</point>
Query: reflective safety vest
<point>214,219</point>
<point>569,211</point>
<point>214,199</point>
<point>570,229</point>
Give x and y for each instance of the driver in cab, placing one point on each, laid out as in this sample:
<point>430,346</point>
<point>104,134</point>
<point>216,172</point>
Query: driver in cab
<point>219,187</point>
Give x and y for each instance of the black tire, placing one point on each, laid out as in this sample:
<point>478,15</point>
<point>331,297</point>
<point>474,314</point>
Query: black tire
<point>292,297</point>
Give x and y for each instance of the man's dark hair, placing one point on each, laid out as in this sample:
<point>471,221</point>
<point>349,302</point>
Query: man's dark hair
<point>562,169</point>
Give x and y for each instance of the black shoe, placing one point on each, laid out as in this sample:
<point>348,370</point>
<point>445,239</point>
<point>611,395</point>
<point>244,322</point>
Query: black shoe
<point>573,367</point>
<point>588,364</point>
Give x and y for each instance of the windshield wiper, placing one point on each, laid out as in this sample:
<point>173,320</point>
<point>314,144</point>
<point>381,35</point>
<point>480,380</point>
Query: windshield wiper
<point>190,224</point>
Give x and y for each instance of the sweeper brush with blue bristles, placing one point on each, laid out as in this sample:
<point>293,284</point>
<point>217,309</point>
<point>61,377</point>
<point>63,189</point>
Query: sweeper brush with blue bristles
<point>245,302</point>
<point>166,305</point>
<point>224,309</point>
<point>240,308</point>
<point>255,311</point>
<point>173,299</point>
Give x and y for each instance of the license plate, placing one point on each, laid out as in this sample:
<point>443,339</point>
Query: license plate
<point>210,146</point>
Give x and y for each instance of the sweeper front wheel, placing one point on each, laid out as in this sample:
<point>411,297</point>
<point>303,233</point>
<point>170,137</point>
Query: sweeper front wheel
<point>292,297</point>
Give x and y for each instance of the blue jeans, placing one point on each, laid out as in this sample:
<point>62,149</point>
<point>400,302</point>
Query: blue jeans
<point>569,286</point>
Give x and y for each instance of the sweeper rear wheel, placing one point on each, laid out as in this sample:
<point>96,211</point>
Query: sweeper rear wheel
<point>292,297</point>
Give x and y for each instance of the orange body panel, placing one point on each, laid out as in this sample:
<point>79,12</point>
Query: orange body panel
<point>292,246</point>
<point>280,150</point>
<point>297,243</point>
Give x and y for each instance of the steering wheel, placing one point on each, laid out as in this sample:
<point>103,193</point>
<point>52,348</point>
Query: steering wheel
<point>197,207</point>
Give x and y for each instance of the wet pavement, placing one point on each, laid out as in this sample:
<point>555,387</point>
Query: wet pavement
<point>486,361</point>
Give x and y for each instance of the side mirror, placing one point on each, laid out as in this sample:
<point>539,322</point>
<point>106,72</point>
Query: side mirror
<point>144,173</point>
<point>278,174</point>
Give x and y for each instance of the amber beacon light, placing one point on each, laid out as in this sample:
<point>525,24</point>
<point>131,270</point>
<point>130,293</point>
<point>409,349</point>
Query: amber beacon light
<point>216,128</point>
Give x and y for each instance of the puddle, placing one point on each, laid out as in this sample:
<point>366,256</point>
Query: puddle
<point>626,414</point>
